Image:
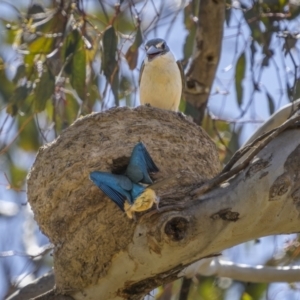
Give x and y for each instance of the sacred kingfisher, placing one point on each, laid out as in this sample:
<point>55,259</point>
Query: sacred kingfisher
<point>129,196</point>
<point>126,190</point>
<point>161,77</point>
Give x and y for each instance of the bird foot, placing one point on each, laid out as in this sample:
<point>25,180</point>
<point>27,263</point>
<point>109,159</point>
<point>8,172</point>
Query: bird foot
<point>181,115</point>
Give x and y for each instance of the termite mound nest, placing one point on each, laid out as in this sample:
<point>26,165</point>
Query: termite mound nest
<point>83,224</point>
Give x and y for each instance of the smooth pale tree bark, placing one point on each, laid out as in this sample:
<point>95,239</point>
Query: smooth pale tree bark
<point>98,251</point>
<point>215,266</point>
<point>275,120</point>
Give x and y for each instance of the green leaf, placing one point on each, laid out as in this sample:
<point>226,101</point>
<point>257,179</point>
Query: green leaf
<point>21,73</point>
<point>34,9</point>
<point>41,45</point>
<point>124,22</point>
<point>115,86</point>
<point>12,32</point>
<point>206,290</point>
<point>74,50</point>
<point>270,103</point>
<point>132,53</point>
<point>182,105</point>
<point>256,290</point>
<point>29,61</point>
<point>110,44</point>
<point>71,109</point>
<point>44,90</point>
<point>17,176</point>
<point>6,86</point>
<point>91,48</point>
<point>65,112</point>
<point>246,296</point>
<point>17,99</point>
<point>78,75</point>
<point>38,38</point>
<point>109,63</point>
<point>69,48</point>
<point>221,134</point>
<point>240,70</point>
<point>28,138</point>
<point>92,96</point>
<point>125,86</point>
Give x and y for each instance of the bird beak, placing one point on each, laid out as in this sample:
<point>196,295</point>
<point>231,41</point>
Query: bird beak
<point>153,52</point>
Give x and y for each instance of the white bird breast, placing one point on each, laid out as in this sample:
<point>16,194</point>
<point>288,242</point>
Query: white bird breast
<point>161,84</point>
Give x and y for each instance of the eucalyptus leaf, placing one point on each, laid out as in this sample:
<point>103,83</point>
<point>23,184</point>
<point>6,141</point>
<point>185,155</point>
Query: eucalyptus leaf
<point>270,103</point>
<point>17,99</point>
<point>109,62</point>
<point>44,90</point>
<point>132,53</point>
<point>240,70</point>
<point>28,139</point>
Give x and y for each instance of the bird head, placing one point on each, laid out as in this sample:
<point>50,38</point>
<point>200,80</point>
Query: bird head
<point>155,48</point>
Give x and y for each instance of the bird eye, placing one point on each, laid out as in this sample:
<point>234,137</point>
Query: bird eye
<point>161,45</point>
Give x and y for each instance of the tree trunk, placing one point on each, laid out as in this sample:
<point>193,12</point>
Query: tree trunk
<point>204,61</point>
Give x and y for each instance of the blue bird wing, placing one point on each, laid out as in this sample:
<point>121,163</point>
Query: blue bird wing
<point>151,166</point>
<point>116,187</point>
<point>115,196</point>
<point>135,172</point>
<point>140,165</point>
<point>137,190</point>
<point>124,182</point>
